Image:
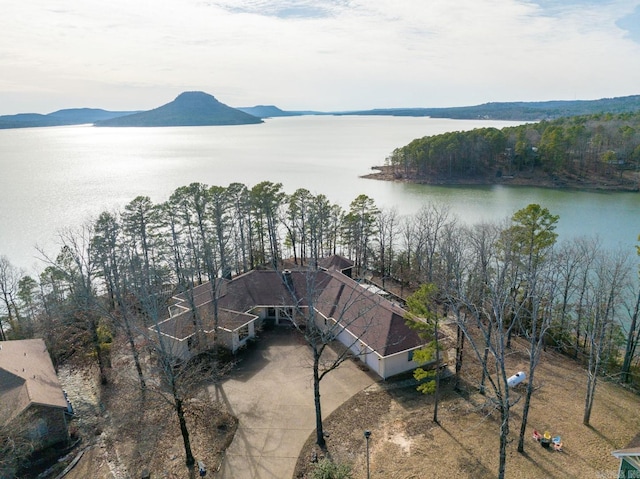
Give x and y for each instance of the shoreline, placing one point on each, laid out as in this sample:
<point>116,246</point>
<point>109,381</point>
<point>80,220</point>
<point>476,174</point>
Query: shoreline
<point>534,180</point>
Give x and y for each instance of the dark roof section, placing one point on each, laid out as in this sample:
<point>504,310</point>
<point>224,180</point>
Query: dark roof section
<point>377,322</point>
<point>335,263</point>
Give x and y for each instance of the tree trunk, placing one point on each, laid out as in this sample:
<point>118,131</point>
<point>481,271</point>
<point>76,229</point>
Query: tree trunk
<point>437,393</point>
<point>632,343</point>
<point>320,441</point>
<point>484,362</point>
<point>102,367</point>
<point>504,433</point>
<point>588,402</point>
<point>592,372</point>
<point>525,411</point>
<point>534,345</point>
<point>134,352</point>
<point>459,355</point>
<point>190,460</point>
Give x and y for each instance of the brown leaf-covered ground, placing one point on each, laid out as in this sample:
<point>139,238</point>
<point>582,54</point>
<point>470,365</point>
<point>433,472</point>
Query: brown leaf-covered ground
<point>405,443</point>
<point>123,433</point>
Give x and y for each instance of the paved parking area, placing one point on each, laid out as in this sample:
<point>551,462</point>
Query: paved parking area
<point>271,394</point>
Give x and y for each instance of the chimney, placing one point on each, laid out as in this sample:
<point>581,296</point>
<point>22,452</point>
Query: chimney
<point>286,276</point>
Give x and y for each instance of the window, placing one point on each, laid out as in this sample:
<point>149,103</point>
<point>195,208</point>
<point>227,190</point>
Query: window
<point>410,355</point>
<point>243,332</point>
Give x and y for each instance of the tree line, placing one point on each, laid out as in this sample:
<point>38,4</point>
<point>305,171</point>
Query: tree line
<point>115,275</point>
<point>604,145</point>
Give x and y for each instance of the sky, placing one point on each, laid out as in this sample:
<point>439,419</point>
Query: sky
<point>327,55</point>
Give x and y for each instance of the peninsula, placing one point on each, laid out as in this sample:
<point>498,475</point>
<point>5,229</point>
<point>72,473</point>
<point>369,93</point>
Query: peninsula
<point>598,151</point>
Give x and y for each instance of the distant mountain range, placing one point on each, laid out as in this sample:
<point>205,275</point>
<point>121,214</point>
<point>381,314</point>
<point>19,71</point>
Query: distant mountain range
<point>74,116</point>
<point>199,108</point>
<point>522,111</point>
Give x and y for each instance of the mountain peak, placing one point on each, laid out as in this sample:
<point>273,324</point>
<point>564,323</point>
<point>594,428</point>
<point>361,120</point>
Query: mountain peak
<point>195,96</point>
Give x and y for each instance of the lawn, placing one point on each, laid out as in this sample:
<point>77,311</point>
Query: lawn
<point>405,443</point>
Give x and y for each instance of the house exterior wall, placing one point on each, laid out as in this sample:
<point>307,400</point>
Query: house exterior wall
<point>373,360</point>
<point>360,350</point>
<point>385,367</point>
<point>397,364</point>
<point>227,339</point>
<point>48,425</point>
<point>236,342</point>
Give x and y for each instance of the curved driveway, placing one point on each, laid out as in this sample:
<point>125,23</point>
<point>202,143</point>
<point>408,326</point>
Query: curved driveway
<point>271,394</point>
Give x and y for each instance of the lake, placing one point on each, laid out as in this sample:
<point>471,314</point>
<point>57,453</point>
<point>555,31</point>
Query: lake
<point>53,178</point>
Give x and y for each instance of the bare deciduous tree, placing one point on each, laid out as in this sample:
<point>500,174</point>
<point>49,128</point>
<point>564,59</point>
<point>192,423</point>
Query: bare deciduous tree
<point>609,276</point>
<point>325,310</point>
<point>9,279</point>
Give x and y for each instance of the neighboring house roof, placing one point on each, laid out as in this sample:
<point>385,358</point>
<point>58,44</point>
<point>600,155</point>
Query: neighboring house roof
<point>630,454</point>
<point>632,449</point>
<point>369,317</point>
<point>335,262</point>
<point>27,377</point>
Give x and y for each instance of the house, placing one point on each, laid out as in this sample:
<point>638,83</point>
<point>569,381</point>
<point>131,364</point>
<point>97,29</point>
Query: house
<point>31,398</point>
<point>629,459</point>
<point>373,328</point>
<point>337,263</point>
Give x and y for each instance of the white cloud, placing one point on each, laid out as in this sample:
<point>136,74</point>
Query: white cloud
<point>326,54</point>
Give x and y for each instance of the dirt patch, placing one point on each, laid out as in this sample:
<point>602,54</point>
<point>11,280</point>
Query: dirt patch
<point>405,442</point>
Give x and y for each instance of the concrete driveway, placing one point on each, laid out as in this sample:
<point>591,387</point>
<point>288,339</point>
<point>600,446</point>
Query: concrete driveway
<point>271,394</point>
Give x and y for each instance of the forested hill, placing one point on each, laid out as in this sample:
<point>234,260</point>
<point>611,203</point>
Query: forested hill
<point>601,151</point>
<point>525,111</point>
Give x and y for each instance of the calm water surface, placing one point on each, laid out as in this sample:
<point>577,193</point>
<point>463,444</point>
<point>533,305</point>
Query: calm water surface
<point>53,178</point>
